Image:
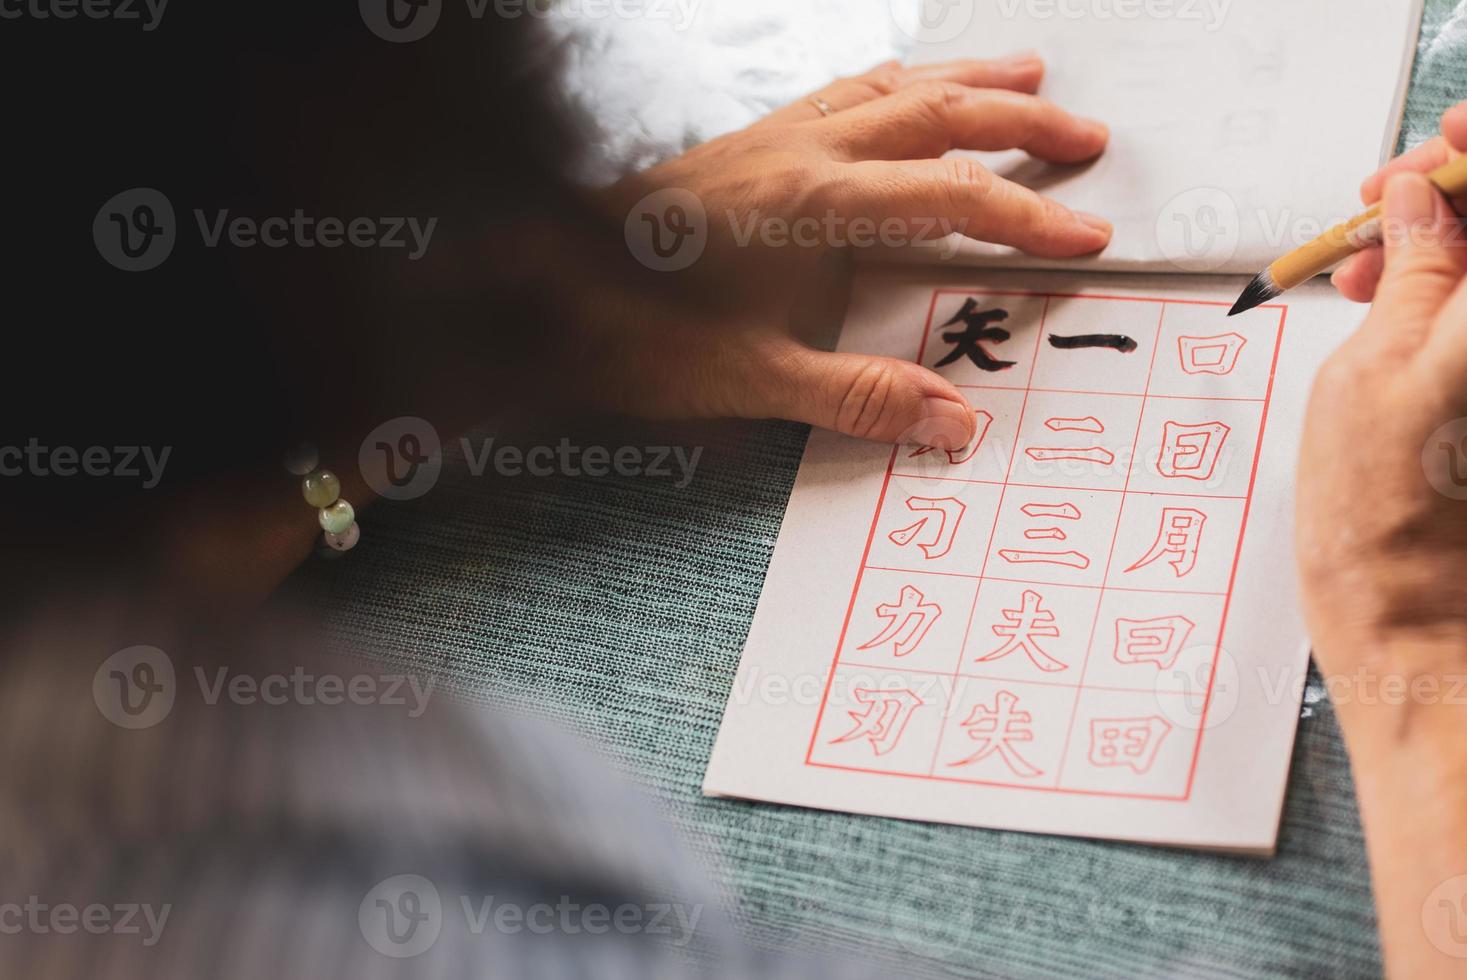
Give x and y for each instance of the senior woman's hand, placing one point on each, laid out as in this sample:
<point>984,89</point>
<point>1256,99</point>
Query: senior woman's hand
<point>1383,553</point>
<point>863,157</point>
<point>1358,278</point>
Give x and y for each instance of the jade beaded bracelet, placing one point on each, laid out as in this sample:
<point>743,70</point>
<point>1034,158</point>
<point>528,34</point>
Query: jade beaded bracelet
<point>322,490</point>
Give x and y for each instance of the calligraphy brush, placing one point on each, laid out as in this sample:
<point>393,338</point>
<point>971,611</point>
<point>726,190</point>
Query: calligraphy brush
<point>1336,245</point>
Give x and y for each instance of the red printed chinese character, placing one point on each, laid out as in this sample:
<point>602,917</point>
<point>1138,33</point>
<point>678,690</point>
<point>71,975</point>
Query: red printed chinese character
<point>955,457</point>
<point>1082,454</point>
<point>995,730</point>
<point>1067,559</point>
<point>1211,355</point>
<point>1023,628</point>
<point>935,532</point>
<point>907,622</point>
<point>885,717</point>
<point>1191,451</point>
<point>1131,742</point>
<point>1178,539</point>
<point>1154,641</point>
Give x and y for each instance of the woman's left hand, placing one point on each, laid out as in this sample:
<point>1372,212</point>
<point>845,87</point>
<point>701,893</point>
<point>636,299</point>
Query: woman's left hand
<point>861,159</point>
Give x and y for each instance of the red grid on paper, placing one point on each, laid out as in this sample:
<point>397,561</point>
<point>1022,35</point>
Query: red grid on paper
<point>1002,630</point>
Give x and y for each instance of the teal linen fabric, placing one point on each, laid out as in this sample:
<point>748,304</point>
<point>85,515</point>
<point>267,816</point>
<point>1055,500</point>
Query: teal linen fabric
<point>618,606</point>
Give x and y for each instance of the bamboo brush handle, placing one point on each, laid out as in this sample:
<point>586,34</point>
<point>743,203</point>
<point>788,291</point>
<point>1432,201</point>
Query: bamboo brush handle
<point>1355,235</point>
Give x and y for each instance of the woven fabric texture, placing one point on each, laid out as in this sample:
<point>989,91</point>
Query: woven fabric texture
<point>618,606</point>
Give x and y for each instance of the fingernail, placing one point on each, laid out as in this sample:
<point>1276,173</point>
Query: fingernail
<point>1098,128</point>
<point>1094,221</point>
<point>945,424</point>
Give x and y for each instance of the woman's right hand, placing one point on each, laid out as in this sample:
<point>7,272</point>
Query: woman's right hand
<point>1357,279</point>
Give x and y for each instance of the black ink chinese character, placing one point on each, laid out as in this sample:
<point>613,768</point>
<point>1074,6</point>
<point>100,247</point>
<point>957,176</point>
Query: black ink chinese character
<point>1113,341</point>
<point>968,343</point>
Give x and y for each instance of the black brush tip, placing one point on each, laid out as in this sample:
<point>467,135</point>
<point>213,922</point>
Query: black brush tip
<point>1259,291</point>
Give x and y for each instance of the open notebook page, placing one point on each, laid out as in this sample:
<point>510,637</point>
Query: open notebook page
<point>1240,128</point>
<point>1085,622</point>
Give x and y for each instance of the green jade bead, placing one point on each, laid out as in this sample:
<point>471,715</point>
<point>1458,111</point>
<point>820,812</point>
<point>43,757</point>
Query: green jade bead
<point>321,488</point>
<point>337,517</point>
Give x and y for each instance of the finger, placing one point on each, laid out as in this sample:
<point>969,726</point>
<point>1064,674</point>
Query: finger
<point>877,398</point>
<point>1423,263</point>
<point>927,119</point>
<point>1424,158</point>
<point>1018,72</point>
<point>1447,344</point>
<point>1021,72</point>
<point>960,195</point>
<point>1358,278</point>
<point>1454,126</point>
